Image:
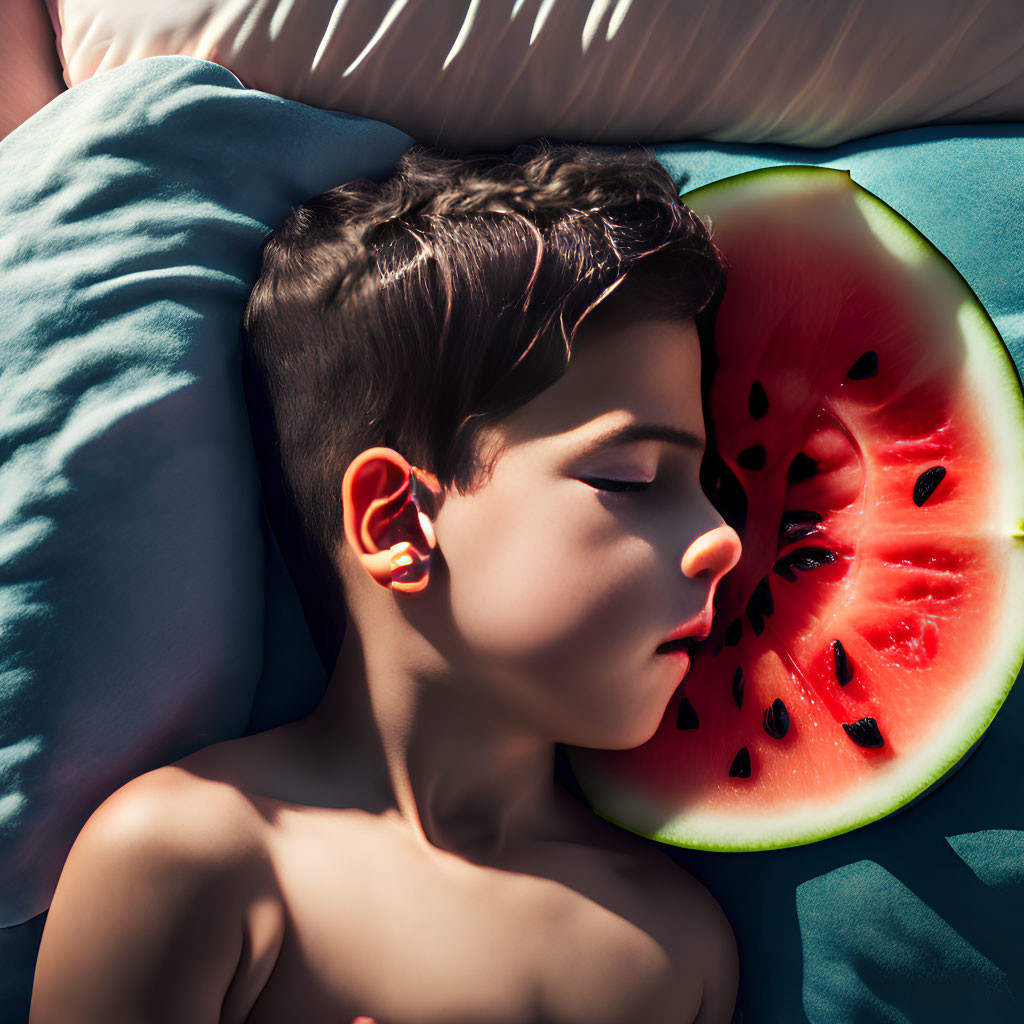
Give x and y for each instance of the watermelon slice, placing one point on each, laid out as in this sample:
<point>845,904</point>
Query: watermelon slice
<point>866,441</point>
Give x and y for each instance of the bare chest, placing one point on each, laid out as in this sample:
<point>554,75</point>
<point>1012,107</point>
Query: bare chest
<point>375,927</point>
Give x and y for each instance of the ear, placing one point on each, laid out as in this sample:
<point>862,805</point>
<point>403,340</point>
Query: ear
<point>388,533</point>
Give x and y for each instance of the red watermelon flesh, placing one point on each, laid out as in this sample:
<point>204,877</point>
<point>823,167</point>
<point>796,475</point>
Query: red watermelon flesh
<point>868,434</point>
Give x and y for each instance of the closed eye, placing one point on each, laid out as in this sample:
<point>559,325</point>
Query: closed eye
<point>617,486</point>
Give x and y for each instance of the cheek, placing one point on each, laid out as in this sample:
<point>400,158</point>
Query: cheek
<point>553,588</point>
<point>558,613</point>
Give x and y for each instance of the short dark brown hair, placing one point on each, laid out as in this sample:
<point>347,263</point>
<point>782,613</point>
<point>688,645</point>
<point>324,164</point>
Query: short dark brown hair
<point>412,312</point>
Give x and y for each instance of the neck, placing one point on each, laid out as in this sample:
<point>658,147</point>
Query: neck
<point>437,751</point>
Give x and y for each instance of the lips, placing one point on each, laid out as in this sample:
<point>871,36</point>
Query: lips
<point>686,636</point>
<point>685,643</point>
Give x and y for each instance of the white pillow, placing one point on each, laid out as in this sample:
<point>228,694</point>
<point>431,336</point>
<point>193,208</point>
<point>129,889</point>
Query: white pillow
<point>468,73</point>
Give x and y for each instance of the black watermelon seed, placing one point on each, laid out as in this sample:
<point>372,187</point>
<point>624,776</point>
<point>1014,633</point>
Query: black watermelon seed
<point>864,732</point>
<point>723,487</point>
<point>866,366</point>
<point>760,606</point>
<point>756,620</point>
<point>810,558</point>
<point>781,567</point>
<point>797,524</point>
<point>740,765</point>
<point>686,717</point>
<point>794,517</point>
<point>757,403</point>
<point>752,457</point>
<point>718,649</point>
<point>797,533</point>
<point>737,686</point>
<point>803,467</point>
<point>803,559</point>
<point>776,719</point>
<point>926,484</point>
<point>844,670</point>
<point>763,596</point>
<point>733,632</point>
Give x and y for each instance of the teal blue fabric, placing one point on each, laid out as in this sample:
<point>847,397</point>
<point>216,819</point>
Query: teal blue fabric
<point>145,610</point>
<point>916,918</point>
<point>142,614</point>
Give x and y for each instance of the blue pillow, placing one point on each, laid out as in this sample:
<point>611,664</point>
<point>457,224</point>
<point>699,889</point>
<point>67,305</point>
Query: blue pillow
<point>141,612</point>
<point>916,917</point>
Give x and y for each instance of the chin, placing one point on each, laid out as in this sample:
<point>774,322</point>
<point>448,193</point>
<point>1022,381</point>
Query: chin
<point>622,728</point>
<point>618,738</point>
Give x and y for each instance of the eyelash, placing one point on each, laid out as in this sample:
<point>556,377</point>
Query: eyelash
<point>621,486</point>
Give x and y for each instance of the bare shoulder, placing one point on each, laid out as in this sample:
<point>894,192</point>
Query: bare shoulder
<point>207,836</point>
<point>155,902</point>
<point>712,943</point>
<point>705,937</point>
<point>173,823</point>
<point>690,923</point>
<point>153,808</point>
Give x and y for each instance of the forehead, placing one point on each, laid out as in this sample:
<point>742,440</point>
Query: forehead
<point>645,372</point>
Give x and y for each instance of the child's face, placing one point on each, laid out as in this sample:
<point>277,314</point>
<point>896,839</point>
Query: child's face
<point>560,590</point>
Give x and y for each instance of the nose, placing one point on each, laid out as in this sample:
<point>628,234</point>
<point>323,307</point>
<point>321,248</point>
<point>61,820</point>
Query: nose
<point>716,552</point>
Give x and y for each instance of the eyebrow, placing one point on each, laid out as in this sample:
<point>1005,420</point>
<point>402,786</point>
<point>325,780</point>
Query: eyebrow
<point>634,432</point>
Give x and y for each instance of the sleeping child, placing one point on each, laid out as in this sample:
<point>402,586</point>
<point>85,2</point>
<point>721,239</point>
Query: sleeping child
<point>475,393</point>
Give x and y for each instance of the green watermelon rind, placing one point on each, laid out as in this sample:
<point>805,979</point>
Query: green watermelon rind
<point>993,371</point>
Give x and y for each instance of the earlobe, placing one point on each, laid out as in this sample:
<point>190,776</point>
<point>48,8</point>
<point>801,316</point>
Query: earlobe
<point>384,525</point>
